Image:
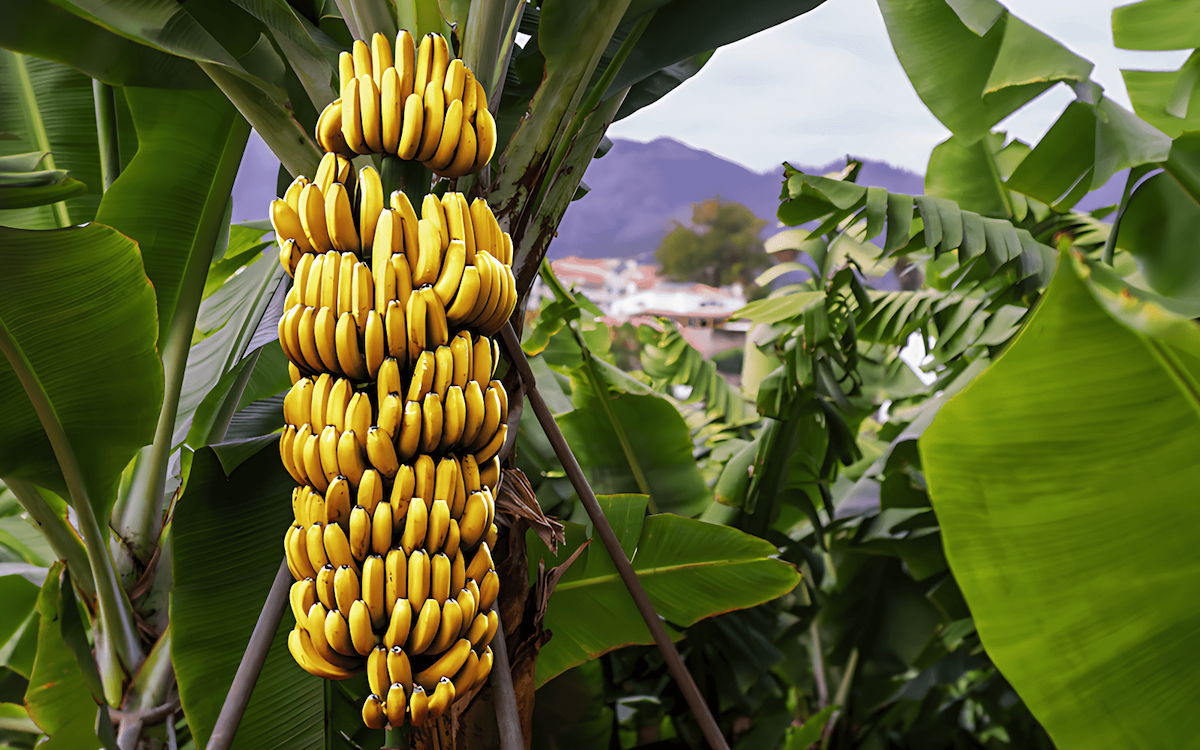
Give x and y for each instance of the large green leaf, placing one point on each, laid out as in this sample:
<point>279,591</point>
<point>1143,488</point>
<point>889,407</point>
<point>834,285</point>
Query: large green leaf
<point>79,307</point>
<point>44,29</point>
<point>1159,227</point>
<point>227,549</point>
<point>1064,479</point>
<point>970,81</point>
<point>173,195</point>
<point>690,569</point>
<point>1156,25</point>
<point>58,697</point>
<point>659,441</point>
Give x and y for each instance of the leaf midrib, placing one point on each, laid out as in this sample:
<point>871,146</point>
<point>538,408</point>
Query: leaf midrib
<point>649,572</point>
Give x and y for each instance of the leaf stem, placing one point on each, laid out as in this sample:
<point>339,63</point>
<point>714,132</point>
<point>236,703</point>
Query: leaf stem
<point>37,130</point>
<point>106,133</point>
<point>62,537</point>
<point>115,611</point>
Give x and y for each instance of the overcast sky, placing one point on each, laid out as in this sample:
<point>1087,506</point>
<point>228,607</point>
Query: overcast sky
<point>828,84</point>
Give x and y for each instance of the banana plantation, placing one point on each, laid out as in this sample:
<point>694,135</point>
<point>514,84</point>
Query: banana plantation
<point>336,479</point>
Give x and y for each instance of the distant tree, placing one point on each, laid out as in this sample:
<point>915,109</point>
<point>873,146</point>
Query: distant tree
<point>721,247</point>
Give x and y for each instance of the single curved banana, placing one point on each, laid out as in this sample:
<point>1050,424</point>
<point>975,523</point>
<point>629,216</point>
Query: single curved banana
<point>362,293</point>
<point>314,546</point>
<point>307,339</point>
<point>424,62</point>
<point>485,133</point>
<point>441,699</point>
<point>377,674</point>
<point>418,706</point>
<point>396,566</point>
<point>470,96</point>
<point>467,605</point>
<point>431,422</point>
<point>361,54</point>
<point>476,411</point>
<point>374,344</point>
<point>416,522</point>
<point>454,417</point>
<point>327,449</point>
<point>370,203</point>
<point>381,529</point>
<point>389,378</point>
<point>447,284</point>
<point>488,287</point>
<point>468,227</point>
<point>485,226</point>
<point>461,350</point>
<point>301,597</point>
<point>352,125</point>
<point>480,564</point>
<point>437,326</point>
<point>337,548</point>
<point>285,220</point>
<point>493,447</point>
<point>346,588</point>
<point>345,69</point>
<point>465,153</point>
<point>303,268</point>
<point>415,323</point>
<point>429,259</point>
<point>349,354</point>
<point>361,632</point>
<point>464,679</point>
<point>309,289</point>
<point>489,474</point>
<point>311,455</point>
<point>445,479</point>
<point>456,78</point>
<point>425,629</point>
<point>452,129</point>
<point>451,548</point>
<point>439,573</point>
<point>434,118</point>
<point>396,703</point>
<point>287,451</point>
<point>337,502</point>
<point>489,589</point>
<point>370,492</point>
<point>325,590</point>
<point>351,460</point>
<point>312,218</point>
<point>391,410</point>
<point>442,369</point>
<point>477,630</point>
<point>466,297</point>
<point>395,326</point>
<point>408,222</point>
<point>326,173</point>
<point>373,714</point>
<point>484,669</point>
<point>310,661</point>
<point>495,295</point>
<point>341,391</point>
<point>372,123</point>
<point>491,423</point>
<point>441,61</point>
<point>399,668</point>
<point>425,471</point>
<point>374,586</point>
<point>433,211</point>
<point>410,431</point>
<point>325,337</point>
<point>360,532</point>
<point>381,60</point>
<point>386,241</point>
<point>337,633</point>
<point>399,623</point>
<point>329,129</point>
<point>470,472</point>
<point>473,524</point>
<point>411,128</point>
<point>316,507</point>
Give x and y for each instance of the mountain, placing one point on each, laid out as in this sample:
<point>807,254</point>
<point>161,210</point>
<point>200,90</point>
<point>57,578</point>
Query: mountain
<point>638,191</point>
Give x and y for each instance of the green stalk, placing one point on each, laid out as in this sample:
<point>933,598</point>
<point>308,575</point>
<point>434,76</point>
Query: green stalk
<point>590,102</point>
<point>481,40</point>
<point>494,86</point>
<point>63,540</point>
<point>393,738</point>
<point>37,131</point>
<point>106,133</point>
<point>117,632</point>
<point>601,390</point>
<point>373,16</point>
<point>142,516</point>
<point>411,177</point>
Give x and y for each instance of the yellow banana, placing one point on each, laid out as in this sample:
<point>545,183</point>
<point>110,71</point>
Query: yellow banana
<point>470,472</point>
<point>388,380</point>
<point>424,373</point>
<point>451,548</point>
<point>373,714</point>
<point>456,76</point>
<point>352,126</point>
<point>377,674</point>
<point>410,431</point>
<point>395,326</point>
<point>492,536</point>
<point>480,564</point>
<point>431,423</point>
<point>495,295</point>
<point>327,450</point>
<point>316,507</point>
<point>381,60</point>
<point>370,203</point>
<point>381,530</point>
<point>485,134</point>
<point>326,173</point>
<point>309,284</point>
<point>473,523</point>
<point>508,301</point>
<point>489,589</point>
<point>447,284</point>
<point>358,417</point>
<point>415,323</point>
<point>489,474</point>
<point>441,699</point>
<point>325,590</point>
<point>297,554</point>
<point>452,128</point>
<point>408,223</point>
<point>429,259</point>
<point>298,445</point>
<point>498,388</point>
<point>324,332</point>
<point>374,344</point>
<point>418,575</point>
<point>448,663</point>
<point>439,573</point>
<point>468,606</point>
<point>434,117</point>
<point>391,409</point>
<point>418,706</point>
<point>491,423</point>
<point>386,241</point>
<point>410,130</point>
<point>312,463</point>
<point>444,481</point>
<point>434,212</point>
<point>345,69</point>
<point>362,293</point>
<point>402,493</point>
<point>303,268</point>
<point>368,105</point>
<point>416,521</point>
<point>464,679</point>
<point>435,534</point>
<point>493,623</point>
<point>307,339</point>
<point>400,621</point>
<point>314,546</point>
<point>484,224</point>
<point>436,324</point>
<point>426,627</point>
<point>362,58</point>
<point>349,354</point>
<point>306,656</point>
<point>337,503</point>
<point>468,237</point>
<point>493,446</point>
<point>461,350</point>
<point>454,417</point>
<point>396,703</point>
<point>426,479</point>
<point>441,60</point>
<point>477,630</point>
<point>337,633</point>
<point>484,669</point>
<point>336,403</point>
<point>329,128</point>
<point>465,297</point>
<point>287,450</point>
<point>350,457</point>
<point>346,588</point>
<point>396,567</point>
<point>470,96</point>
<point>424,62</point>
<point>465,152</point>
<point>443,370</point>
<point>374,588</point>
<point>286,222</point>
<point>399,668</point>
<point>360,532</point>
<point>370,491</point>
<point>476,411</point>
<point>361,632</point>
<point>337,547</point>
<point>488,286</point>
<point>405,60</point>
<point>340,219</point>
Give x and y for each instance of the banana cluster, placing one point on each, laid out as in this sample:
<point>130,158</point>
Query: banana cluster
<point>394,422</point>
<point>416,103</point>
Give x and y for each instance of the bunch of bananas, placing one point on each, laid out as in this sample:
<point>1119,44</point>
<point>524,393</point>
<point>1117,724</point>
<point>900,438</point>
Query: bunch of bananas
<point>416,103</point>
<point>394,422</point>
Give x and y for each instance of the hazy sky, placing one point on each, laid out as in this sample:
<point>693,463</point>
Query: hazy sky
<point>828,83</point>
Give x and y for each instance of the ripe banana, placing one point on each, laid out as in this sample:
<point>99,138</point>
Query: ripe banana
<point>439,577</point>
<point>285,220</point>
<point>337,547</point>
<point>362,635</point>
<point>418,706</point>
<point>360,532</point>
<point>415,526</point>
<point>480,564</point>
<point>446,666</point>
<point>454,417</point>
<point>441,699</point>
<point>431,423</point>
<point>399,668</point>
<point>374,589</point>
<point>350,457</point>
<point>381,60</point>
<point>399,623</point>
<point>425,629</point>
<point>346,588</point>
<point>377,674</point>
<point>396,703</point>
<point>370,492</point>
<point>418,577</point>
<point>370,203</point>
<point>337,633</point>
<point>382,452</point>
<point>381,529</point>
<point>326,591</point>
<point>373,714</point>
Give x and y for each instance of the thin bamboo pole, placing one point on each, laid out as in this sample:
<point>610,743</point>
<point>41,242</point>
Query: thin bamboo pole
<point>575,473</point>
